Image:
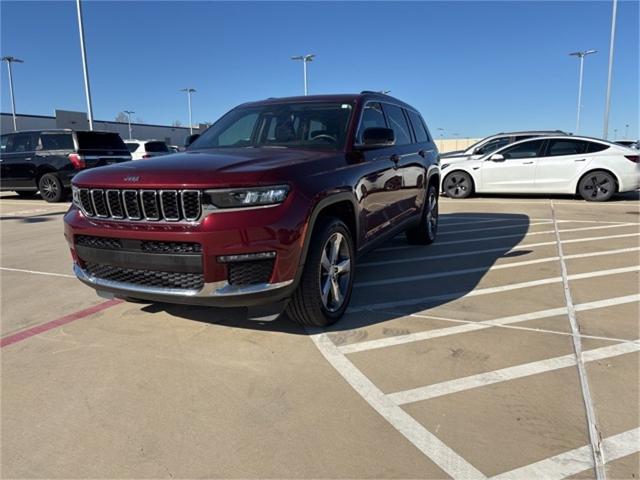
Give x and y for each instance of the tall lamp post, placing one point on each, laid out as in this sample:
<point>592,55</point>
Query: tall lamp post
<point>85,68</point>
<point>305,59</point>
<point>9,61</point>
<point>129,112</point>
<point>581,56</point>
<point>626,131</point>
<point>612,40</point>
<point>189,92</point>
<point>456,135</point>
<point>441,130</point>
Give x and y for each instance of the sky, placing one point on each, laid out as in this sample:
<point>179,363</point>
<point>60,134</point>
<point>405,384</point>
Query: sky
<point>471,68</point>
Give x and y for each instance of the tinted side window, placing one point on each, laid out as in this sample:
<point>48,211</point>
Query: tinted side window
<point>22,142</point>
<point>566,147</point>
<point>3,143</point>
<point>56,141</point>
<point>596,147</point>
<point>418,127</point>
<point>398,123</point>
<point>524,150</point>
<point>372,117</point>
<point>156,147</point>
<point>132,147</point>
<point>492,146</point>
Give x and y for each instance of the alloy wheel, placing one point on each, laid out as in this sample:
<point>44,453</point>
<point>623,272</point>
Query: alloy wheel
<point>597,186</point>
<point>457,185</point>
<point>432,215</point>
<point>335,272</point>
<point>49,188</point>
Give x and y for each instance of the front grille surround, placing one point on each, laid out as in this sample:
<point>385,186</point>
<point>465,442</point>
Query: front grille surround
<point>145,204</point>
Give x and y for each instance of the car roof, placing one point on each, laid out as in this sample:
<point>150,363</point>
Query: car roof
<point>56,130</point>
<point>338,98</point>
<point>525,132</point>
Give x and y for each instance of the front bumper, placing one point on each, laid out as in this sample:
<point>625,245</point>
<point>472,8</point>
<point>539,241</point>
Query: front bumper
<point>280,229</point>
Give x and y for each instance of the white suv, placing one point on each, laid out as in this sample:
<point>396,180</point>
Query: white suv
<point>143,149</point>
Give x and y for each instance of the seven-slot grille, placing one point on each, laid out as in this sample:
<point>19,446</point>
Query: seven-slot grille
<point>154,205</point>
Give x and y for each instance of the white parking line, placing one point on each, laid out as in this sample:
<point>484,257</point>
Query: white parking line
<point>430,445</point>
<point>510,373</point>
<point>484,229</point>
<point>490,250</point>
<point>512,235</point>
<point>489,290</point>
<point>35,272</point>
<point>577,460</point>
<point>469,326</point>
<point>487,268</point>
<point>580,358</point>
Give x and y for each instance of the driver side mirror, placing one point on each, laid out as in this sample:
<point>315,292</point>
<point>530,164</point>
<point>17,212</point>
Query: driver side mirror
<point>496,157</point>
<point>377,137</point>
<point>190,139</point>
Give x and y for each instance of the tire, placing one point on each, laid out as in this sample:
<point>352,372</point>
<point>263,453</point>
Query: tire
<point>26,194</point>
<point>425,233</point>
<point>597,186</point>
<point>458,184</point>
<point>315,302</point>
<point>51,189</point>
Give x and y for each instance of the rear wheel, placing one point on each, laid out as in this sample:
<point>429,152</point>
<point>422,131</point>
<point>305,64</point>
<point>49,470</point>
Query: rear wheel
<point>51,188</point>
<point>327,280</point>
<point>425,232</point>
<point>597,186</point>
<point>458,185</point>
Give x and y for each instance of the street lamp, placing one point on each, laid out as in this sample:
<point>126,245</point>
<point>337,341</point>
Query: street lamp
<point>626,131</point>
<point>456,135</point>
<point>129,112</point>
<point>85,68</point>
<point>611,43</point>
<point>189,92</point>
<point>581,56</point>
<point>441,130</point>
<point>9,61</point>
<point>615,133</point>
<point>305,59</point>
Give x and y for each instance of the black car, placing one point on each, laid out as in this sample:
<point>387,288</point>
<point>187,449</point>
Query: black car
<point>47,160</point>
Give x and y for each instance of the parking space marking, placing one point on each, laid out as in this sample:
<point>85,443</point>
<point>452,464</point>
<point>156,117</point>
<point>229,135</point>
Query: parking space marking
<point>512,235</point>
<point>577,460</point>
<point>44,327</point>
<point>580,357</point>
<point>502,227</point>
<point>36,272</point>
<point>430,445</point>
<point>470,326</point>
<point>489,268</point>
<point>510,373</point>
<point>490,290</point>
<point>543,202</point>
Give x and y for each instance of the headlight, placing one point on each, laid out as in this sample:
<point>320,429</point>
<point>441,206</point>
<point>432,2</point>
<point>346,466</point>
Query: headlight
<point>246,197</point>
<point>75,195</point>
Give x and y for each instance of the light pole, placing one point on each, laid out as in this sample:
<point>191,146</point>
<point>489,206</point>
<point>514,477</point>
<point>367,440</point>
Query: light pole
<point>611,43</point>
<point>129,112</point>
<point>85,68</point>
<point>456,135</point>
<point>441,130</point>
<point>626,132</point>
<point>615,133</point>
<point>581,56</point>
<point>305,59</point>
<point>9,61</point>
<point>189,92</point>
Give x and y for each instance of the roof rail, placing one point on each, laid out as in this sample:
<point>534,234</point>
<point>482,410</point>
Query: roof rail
<point>372,91</point>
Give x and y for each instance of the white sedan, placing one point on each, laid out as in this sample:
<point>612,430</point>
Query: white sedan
<point>592,168</point>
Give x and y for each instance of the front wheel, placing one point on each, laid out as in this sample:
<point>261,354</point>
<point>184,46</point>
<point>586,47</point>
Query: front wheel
<point>51,189</point>
<point>458,185</point>
<point>325,288</point>
<point>597,186</point>
<point>425,233</point>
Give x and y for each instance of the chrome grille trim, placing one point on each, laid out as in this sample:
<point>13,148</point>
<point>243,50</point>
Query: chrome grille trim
<point>170,205</point>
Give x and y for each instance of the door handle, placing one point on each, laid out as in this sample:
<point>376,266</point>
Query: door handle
<point>395,158</point>
<point>581,160</point>
<point>527,163</point>
<point>422,153</point>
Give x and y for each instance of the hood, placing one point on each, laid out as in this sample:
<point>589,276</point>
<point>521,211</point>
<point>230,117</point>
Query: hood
<point>452,154</point>
<point>199,168</point>
<point>454,159</point>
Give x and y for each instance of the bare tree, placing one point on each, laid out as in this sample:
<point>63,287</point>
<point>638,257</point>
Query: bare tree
<point>122,117</point>
<point>176,123</point>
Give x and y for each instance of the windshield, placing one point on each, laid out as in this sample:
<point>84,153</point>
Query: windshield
<point>301,125</point>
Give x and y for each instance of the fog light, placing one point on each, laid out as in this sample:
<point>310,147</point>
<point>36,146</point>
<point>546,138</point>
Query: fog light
<point>246,257</point>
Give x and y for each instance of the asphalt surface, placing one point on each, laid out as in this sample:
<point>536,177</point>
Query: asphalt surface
<point>454,360</point>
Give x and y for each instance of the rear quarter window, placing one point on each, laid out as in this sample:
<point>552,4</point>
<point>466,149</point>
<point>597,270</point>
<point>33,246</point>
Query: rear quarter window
<point>100,141</point>
<point>156,147</point>
<point>422,136</point>
<point>132,147</point>
<point>596,147</point>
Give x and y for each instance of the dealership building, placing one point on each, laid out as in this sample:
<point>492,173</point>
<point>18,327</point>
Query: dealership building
<point>78,121</point>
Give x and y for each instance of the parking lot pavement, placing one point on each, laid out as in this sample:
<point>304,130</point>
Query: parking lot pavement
<point>454,360</point>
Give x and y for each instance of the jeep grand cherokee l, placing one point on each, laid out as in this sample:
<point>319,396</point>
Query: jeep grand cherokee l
<point>47,160</point>
<point>271,205</point>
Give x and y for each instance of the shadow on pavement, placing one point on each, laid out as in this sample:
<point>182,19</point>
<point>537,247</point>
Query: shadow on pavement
<point>401,276</point>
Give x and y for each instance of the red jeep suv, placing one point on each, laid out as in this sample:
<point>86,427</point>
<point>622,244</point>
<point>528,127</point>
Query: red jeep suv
<point>270,206</point>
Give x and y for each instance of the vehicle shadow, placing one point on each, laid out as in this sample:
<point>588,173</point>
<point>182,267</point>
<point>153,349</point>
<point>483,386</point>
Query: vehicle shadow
<point>617,197</point>
<point>399,279</point>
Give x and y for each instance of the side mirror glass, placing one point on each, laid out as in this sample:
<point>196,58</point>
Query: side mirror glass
<point>190,139</point>
<point>496,157</point>
<point>375,137</point>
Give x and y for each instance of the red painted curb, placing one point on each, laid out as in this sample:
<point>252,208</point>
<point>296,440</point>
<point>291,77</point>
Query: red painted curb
<point>72,317</point>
